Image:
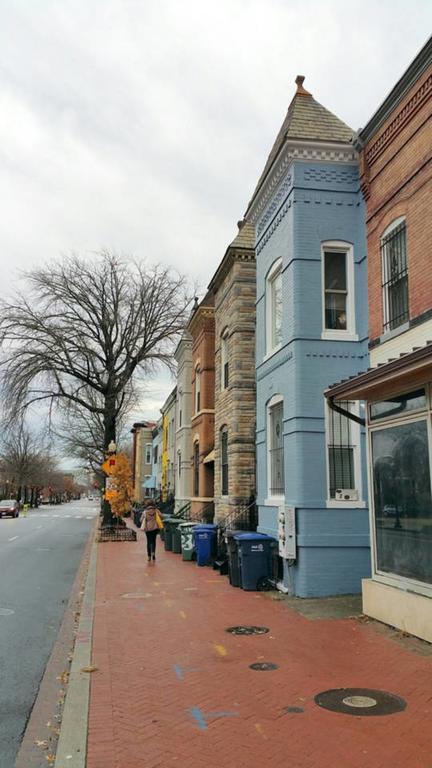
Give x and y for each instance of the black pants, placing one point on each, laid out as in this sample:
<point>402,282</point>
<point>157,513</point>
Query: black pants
<point>151,542</point>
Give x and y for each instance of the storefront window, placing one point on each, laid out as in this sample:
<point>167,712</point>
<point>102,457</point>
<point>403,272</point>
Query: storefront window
<point>403,503</point>
<point>399,405</point>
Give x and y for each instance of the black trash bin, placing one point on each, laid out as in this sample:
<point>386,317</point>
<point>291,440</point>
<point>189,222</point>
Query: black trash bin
<point>255,554</point>
<point>233,559</point>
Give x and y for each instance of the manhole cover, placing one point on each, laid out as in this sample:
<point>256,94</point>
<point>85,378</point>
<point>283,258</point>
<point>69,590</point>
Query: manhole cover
<point>360,701</point>
<point>263,666</point>
<point>244,630</point>
<point>6,612</point>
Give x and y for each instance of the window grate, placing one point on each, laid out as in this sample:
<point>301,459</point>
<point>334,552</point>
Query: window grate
<point>340,451</point>
<point>395,278</point>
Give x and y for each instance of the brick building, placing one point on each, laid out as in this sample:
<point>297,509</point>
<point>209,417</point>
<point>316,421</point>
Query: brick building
<point>396,176</point>
<point>168,412</point>
<point>142,461</point>
<point>202,330</point>
<point>233,287</point>
<point>183,483</point>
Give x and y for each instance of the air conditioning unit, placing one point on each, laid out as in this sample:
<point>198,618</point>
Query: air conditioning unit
<point>346,494</point>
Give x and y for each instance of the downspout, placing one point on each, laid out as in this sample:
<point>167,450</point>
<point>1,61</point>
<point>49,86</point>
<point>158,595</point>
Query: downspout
<point>343,412</point>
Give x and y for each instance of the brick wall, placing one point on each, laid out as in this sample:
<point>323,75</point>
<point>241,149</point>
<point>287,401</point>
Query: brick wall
<point>397,181</point>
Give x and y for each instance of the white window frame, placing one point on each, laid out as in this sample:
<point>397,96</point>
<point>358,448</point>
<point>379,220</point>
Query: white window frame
<point>338,334</point>
<point>273,500</point>
<point>356,444</point>
<point>273,273</point>
<point>224,358</point>
<point>148,453</point>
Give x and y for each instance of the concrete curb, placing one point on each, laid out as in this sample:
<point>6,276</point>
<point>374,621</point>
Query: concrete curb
<point>72,744</point>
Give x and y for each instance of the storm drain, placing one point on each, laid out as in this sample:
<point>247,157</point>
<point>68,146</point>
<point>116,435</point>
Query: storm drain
<point>360,701</point>
<point>244,630</point>
<point>263,666</point>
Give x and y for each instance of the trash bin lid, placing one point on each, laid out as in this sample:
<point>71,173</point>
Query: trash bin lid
<point>188,524</point>
<point>253,537</point>
<point>207,526</point>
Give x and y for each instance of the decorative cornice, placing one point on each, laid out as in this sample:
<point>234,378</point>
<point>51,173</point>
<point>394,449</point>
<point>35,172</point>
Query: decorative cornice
<point>422,61</point>
<point>404,115</point>
<point>303,151</point>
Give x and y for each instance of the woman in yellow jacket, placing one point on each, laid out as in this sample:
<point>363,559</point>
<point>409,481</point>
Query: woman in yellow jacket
<point>151,523</point>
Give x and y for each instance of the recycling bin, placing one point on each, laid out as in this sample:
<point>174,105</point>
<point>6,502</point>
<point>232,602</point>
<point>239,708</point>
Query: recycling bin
<point>255,554</point>
<point>187,540</point>
<point>168,531</point>
<point>176,535</point>
<point>205,542</point>
<point>233,558</point>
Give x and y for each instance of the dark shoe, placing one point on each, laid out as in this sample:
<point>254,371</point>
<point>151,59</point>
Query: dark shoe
<point>154,557</point>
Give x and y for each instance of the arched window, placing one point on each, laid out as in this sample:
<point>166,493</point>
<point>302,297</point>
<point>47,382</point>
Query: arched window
<point>394,275</point>
<point>274,307</point>
<point>275,447</point>
<point>197,390</point>
<point>224,360</point>
<point>224,461</point>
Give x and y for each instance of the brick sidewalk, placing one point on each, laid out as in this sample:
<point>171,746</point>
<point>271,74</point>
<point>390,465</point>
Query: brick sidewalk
<point>173,688</point>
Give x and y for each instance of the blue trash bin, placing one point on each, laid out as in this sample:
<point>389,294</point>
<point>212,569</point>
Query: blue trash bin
<point>255,552</point>
<point>205,541</point>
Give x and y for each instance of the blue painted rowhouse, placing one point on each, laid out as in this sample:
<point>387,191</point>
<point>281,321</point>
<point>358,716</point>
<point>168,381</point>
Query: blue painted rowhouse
<point>311,330</point>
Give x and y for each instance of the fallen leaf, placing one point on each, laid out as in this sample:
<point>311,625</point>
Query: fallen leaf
<point>88,669</point>
<point>50,758</point>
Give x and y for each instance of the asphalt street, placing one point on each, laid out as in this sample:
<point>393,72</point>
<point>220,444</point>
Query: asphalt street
<point>39,558</point>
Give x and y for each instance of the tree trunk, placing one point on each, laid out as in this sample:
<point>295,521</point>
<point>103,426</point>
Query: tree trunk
<point>109,435</point>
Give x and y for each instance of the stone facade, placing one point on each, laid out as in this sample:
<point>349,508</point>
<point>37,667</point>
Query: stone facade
<point>183,485</point>
<point>234,290</point>
<point>202,330</point>
<point>142,462</point>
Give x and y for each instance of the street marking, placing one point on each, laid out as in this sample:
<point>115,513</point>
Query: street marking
<point>13,538</point>
<point>201,718</point>
<point>220,649</point>
<point>180,672</point>
<point>182,614</point>
<point>6,611</point>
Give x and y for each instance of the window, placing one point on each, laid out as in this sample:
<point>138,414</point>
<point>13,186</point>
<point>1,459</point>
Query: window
<point>274,307</point>
<point>224,361</point>
<point>196,469</point>
<point>338,283</point>
<point>402,499</point>
<point>197,391</point>
<point>148,453</point>
<point>155,454</point>
<point>275,447</point>
<point>343,456</point>
<point>179,464</point>
<point>180,419</point>
<point>224,461</point>
<point>395,275</point>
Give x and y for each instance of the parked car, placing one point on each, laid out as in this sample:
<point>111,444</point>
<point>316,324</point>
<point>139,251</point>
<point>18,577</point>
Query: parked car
<point>9,507</point>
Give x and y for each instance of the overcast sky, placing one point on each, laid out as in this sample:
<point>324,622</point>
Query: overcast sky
<point>142,125</point>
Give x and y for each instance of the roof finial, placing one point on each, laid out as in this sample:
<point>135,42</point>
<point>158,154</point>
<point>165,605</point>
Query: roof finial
<point>300,89</point>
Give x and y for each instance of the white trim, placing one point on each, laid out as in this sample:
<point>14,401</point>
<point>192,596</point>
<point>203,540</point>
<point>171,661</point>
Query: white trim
<point>274,400</point>
<point>274,501</point>
<point>356,444</point>
<point>273,352</point>
<point>395,223</point>
<point>349,334</point>
<point>273,273</point>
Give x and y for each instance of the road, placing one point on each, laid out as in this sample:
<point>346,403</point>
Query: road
<point>39,558</point>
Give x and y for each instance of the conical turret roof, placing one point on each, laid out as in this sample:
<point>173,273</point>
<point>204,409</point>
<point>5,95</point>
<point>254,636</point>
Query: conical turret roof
<point>308,121</point>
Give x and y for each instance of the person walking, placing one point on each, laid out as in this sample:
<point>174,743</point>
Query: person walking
<point>151,523</point>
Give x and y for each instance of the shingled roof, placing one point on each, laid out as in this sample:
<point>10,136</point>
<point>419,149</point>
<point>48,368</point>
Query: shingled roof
<point>306,120</point>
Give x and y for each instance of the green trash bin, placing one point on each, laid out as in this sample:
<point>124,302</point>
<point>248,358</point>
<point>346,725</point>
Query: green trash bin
<point>168,533</point>
<point>176,535</point>
<point>187,542</point>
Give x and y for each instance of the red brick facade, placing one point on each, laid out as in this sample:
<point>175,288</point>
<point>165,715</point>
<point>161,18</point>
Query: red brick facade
<point>397,182</point>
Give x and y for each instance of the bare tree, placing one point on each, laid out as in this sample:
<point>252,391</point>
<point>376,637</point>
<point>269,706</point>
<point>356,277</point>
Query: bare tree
<point>26,462</point>
<point>84,328</point>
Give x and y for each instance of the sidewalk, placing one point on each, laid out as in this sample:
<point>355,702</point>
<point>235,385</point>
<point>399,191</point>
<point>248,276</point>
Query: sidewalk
<point>172,687</point>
